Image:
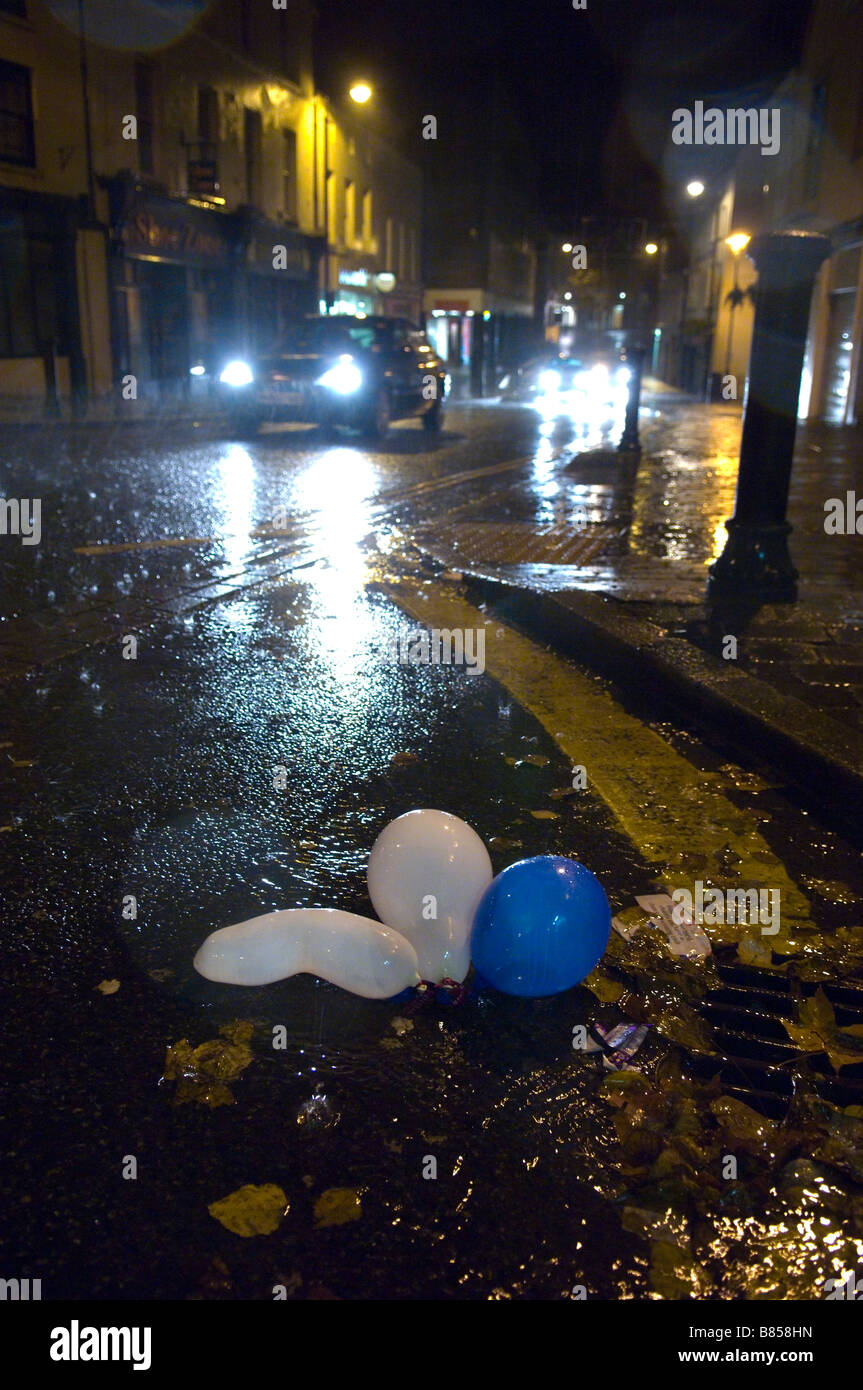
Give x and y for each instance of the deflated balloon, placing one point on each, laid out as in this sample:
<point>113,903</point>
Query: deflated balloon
<point>427,872</point>
<point>348,950</point>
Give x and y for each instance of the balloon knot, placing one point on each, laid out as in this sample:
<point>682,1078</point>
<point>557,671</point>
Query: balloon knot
<point>428,992</point>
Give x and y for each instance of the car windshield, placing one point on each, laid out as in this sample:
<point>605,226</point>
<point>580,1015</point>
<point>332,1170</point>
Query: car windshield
<point>325,335</point>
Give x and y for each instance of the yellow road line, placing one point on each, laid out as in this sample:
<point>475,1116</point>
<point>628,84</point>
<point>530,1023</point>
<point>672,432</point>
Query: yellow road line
<point>664,804</point>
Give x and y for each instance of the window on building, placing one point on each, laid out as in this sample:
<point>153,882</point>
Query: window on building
<point>17,145</point>
<point>289,175</point>
<point>367,219</point>
<point>332,209</point>
<point>144,115</point>
<point>252,142</point>
<point>350,212</point>
<point>389,245</point>
<point>28,310</point>
<point>208,117</point>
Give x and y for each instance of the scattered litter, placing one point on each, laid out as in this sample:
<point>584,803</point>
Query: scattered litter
<point>684,938</point>
<point>401,1025</point>
<point>618,1045</point>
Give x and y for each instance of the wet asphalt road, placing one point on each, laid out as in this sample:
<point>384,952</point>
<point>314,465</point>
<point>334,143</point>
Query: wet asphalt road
<point>259,579</point>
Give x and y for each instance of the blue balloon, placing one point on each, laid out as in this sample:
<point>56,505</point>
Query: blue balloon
<point>540,927</point>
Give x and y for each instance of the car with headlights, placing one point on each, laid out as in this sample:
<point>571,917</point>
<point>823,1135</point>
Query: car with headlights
<point>338,370</point>
<point>598,378</point>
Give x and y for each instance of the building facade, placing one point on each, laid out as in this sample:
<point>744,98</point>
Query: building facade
<point>814,182</point>
<point>161,209</point>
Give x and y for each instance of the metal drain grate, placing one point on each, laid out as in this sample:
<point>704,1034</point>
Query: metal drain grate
<point>753,1050</point>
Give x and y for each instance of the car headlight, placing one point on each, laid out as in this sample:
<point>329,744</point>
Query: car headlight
<point>345,377</point>
<point>549,381</point>
<point>503,383</point>
<point>237,374</point>
<point>198,370</point>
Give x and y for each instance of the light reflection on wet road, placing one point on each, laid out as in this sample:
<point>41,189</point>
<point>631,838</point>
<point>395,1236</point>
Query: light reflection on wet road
<point>263,635</point>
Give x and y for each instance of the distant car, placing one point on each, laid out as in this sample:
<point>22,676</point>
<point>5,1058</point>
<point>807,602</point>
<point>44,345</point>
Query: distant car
<point>600,378</point>
<point>339,370</point>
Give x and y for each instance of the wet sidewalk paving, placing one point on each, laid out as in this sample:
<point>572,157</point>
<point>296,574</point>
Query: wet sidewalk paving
<point>639,536</point>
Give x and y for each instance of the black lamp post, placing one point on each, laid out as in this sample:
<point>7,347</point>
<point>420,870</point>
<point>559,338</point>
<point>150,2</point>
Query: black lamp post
<point>756,562</point>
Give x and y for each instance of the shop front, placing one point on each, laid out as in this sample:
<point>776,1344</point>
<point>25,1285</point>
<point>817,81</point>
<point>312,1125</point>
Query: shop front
<point>172,280</point>
<point>361,289</point>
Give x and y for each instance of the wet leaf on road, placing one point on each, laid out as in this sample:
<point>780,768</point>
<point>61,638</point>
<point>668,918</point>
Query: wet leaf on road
<point>674,1274</point>
<point>816,1031</point>
<point>202,1072</point>
<point>606,990</point>
<point>751,951</point>
<point>545,815</point>
<point>337,1206</point>
<point>253,1210</point>
<point>108,986</point>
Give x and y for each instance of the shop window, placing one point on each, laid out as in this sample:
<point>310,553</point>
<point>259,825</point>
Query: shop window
<point>144,114</point>
<point>252,140</point>
<point>289,175</point>
<point>17,145</point>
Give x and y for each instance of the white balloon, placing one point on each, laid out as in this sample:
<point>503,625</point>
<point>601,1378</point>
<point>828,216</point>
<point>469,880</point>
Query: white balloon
<point>348,950</point>
<point>427,872</point>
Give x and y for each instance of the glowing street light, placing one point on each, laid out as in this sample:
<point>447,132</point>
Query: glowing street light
<point>651,248</point>
<point>695,188</point>
<point>566,247</point>
<point>738,241</point>
<point>360,92</point>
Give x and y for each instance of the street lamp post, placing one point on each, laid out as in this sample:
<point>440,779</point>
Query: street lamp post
<point>756,563</point>
<point>737,243</point>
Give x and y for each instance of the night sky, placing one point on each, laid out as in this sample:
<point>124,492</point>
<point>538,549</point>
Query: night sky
<point>573,77</point>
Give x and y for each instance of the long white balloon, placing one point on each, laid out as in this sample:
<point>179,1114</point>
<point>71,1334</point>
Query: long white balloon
<point>348,950</point>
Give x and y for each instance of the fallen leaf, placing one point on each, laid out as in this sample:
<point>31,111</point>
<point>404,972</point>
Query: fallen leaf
<point>401,1025</point>
<point>751,951</point>
<point>108,986</point>
<point>251,1210</point>
<point>545,815</point>
<point>606,990</point>
<point>404,759</point>
<point>201,1072</point>
<point>337,1206</point>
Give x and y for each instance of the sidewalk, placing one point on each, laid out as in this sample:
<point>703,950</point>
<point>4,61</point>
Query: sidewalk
<point>607,560</point>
